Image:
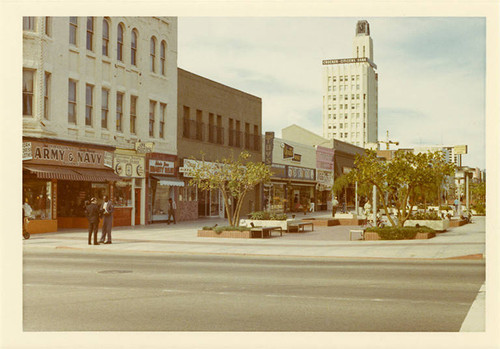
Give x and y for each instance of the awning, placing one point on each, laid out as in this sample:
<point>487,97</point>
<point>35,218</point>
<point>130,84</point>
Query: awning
<point>52,172</point>
<point>169,181</point>
<point>70,174</point>
<point>97,175</point>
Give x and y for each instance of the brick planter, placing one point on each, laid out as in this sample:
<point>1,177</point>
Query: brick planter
<point>370,235</point>
<point>233,234</point>
<point>457,223</point>
<point>351,221</point>
<point>438,225</point>
<point>322,222</point>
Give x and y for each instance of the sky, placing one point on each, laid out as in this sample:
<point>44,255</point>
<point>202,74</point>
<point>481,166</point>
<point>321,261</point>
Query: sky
<point>431,71</point>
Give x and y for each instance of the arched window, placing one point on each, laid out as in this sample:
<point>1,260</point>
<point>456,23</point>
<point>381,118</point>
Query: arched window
<point>119,43</point>
<point>133,48</point>
<point>152,54</point>
<point>105,37</point>
<point>163,52</point>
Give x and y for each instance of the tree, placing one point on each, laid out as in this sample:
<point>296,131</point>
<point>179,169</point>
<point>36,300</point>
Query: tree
<point>397,180</point>
<point>234,179</point>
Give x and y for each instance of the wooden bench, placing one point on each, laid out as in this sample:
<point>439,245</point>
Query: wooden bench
<point>300,225</point>
<point>266,231</point>
<point>357,231</point>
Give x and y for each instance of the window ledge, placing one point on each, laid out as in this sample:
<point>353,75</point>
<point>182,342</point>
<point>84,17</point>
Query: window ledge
<point>106,59</point>
<point>74,49</point>
<point>120,65</point>
<point>91,54</point>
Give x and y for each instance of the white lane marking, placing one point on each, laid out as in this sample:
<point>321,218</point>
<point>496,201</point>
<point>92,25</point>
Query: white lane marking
<point>475,321</point>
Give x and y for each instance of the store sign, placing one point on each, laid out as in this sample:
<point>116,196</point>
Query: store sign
<point>27,154</point>
<point>297,157</point>
<point>268,148</point>
<point>325,178</point>
<point>66,155</point>
<point>300,173</point>
<point>287,151</point>
<point>144,147</point>
<point>108,159</point>
<point>161,167</point>
<point>129,166</point>
<point>460,149</point>
<point>278,171</point>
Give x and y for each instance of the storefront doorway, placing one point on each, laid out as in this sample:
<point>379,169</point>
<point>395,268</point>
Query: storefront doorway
<point>137,206</point>
<point>210,203</point>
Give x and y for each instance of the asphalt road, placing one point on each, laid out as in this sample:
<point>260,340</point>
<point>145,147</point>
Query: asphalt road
<point>96,291</point>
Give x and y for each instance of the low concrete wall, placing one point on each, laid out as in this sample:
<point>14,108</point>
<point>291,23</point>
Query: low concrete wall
<point>440,225</point>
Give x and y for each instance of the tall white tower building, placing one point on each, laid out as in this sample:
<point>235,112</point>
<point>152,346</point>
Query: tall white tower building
<point>350,93</point>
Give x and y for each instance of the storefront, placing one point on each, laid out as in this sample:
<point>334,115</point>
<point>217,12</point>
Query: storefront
<point>324,177</point>
<point>293,179</point>
<point>129,193</point>
<point>204,203</point>
<point>162,185</point>
<point>58,177</point>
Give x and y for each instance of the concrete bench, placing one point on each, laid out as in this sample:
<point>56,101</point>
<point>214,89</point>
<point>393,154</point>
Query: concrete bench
<point>301,225</point>
<point>266,231</point>
<point>357,231</point>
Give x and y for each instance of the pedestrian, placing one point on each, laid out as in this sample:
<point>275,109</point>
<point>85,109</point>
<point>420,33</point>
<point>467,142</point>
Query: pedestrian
<point>92,213</point>
<point>335,203</point>
<point>311,205</point>
<point>457,203</point>
<point>367,207</point>
<point>171,209</point>
<point>343,207</point>
<point>107,221</point>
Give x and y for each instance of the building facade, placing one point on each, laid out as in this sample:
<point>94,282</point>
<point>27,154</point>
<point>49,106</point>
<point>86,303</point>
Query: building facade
<point>350,93</point>
<point>215,122</point>
<point>98,94</point>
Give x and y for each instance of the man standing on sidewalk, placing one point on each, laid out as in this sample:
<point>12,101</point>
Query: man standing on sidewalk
<point>107,223</point>
<point>335,203</point>
<point>171,209</point>
<point>92,211</point>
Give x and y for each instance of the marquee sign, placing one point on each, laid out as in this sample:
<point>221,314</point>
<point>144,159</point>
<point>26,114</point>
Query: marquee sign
<point>161,167</point>
<point>129,166</point>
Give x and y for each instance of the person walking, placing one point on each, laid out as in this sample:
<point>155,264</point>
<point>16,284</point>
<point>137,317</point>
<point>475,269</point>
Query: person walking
<point>107,222</point>
<point>457,203</point>
<point>335,204</point>
<point>92,212</point>
<point>172,207</point>
<point>311,205</point>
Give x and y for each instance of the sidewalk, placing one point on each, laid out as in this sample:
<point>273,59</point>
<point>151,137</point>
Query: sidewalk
<point>467,241</point>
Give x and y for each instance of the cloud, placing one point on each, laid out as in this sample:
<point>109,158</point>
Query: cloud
<point>431,71</point>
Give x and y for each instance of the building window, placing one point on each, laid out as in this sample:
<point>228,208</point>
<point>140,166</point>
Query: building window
<point>46,96</point>
<point>29,24</point>
<point>73,30</point>
<point>163,52</point>
<point>28,83</point>
<point>152,54</point>
<point>199,125</point>
<point>105,37</point>
<point>152,107</point>
<point>104,108</point>
<point>72,102</point>
<point>163,115</point>
<point>90,33</point>
<point>133,48</point>
<point>89,104</point>
<point>186,129</point>
<point>48,28</point>
<point>119,111</point>
<point>119,43</point>
<point>133,113</point>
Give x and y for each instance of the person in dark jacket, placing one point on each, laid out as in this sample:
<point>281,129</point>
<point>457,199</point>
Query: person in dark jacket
<point>107,221</point>
<point>92,212</point>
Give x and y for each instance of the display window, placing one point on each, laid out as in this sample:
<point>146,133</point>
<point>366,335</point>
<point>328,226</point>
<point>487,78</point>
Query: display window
<point>123,193</point>
<point>73,195</point>
<point>188,193</point>
<point>160,195</point>
<point>37,194</point>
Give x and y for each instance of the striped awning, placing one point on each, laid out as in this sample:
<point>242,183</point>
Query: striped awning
<point>174,182</point>
<point>70,174</point>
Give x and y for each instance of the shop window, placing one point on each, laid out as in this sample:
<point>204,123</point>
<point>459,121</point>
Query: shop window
<point>123,193</point>
<point>71,196</point>
<point>38,195</point>
<point>188,193</point>
<point>160,195</point>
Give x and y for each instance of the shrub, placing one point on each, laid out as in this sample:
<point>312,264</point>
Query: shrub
<point>395,233</point>
<point>445,208</point>
<point>479,208</point>
<point>427,216</point>
<point>220,229</point>
<point>264,215</point>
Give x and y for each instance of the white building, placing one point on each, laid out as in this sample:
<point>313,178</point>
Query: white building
<point>452,153</point>
<point>350,93</point>
<point>98,94</point>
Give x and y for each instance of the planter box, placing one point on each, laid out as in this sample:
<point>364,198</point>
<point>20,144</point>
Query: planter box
<point>322,222</point>
<point>440,225</point>
<point>234,234</point>
<point>268,223</point>
<point>457,223</point>
<point>370,235</point>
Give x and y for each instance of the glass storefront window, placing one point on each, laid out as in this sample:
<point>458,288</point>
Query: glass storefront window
<point>38,195</point>
<point>71,197</point>
<point>188,193</point>
<point>160,193</point>
<point>123,193</point>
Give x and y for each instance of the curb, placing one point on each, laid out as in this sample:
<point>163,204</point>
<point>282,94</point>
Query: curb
<point>475,320</point>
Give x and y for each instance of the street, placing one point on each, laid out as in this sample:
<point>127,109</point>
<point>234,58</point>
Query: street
<point>126,291</point>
